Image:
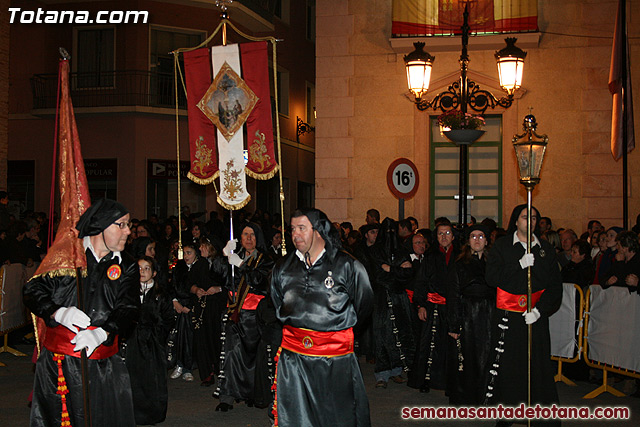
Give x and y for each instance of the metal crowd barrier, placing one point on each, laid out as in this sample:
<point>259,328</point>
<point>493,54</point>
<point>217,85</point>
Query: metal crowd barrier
<point>13,314</point>
<point>615,340</point>
<point>622,309</point>
<point>566,316</point>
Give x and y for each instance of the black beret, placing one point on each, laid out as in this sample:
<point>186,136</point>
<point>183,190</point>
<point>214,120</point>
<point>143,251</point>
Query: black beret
<point>99,216</point>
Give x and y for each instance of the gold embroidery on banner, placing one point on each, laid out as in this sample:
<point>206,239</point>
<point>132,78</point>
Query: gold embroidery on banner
<point>202,155</point>
<point>258,151</point>
<point>232,184</point>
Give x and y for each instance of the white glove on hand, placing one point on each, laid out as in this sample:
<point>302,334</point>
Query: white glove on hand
<point>89,339</point>
<point>526,261</point>
<point>531,317</point>
<point>234,259</point>
<point>70,316</point>
<point>229,247</point>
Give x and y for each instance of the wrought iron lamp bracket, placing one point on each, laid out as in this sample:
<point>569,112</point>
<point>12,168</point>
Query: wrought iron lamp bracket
<point>479,100</point>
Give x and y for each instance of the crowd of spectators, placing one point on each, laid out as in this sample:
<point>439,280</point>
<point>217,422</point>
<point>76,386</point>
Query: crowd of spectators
<point>410,269</point>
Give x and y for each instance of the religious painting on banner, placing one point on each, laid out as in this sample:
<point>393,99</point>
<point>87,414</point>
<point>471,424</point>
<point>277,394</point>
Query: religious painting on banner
<point>237,98</point>
<point>445,17</point>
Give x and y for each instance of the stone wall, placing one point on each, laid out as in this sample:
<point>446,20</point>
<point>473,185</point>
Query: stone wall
<point>365,121</point>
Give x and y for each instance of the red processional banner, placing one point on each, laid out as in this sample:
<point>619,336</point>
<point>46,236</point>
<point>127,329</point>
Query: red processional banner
<point>202,132</point>
<point>219,115</point>
<point>262,159</point>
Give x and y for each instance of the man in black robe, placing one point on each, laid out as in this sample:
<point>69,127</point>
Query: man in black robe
<point>319,293</point>
<point>507,271</point>
<point>111,302</point>
<point>430,297</point>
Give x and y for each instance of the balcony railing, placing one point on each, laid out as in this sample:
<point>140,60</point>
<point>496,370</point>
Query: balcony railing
<point>110,89</point>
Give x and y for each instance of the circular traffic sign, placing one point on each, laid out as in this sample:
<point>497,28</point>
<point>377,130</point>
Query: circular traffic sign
<point>402,178</point>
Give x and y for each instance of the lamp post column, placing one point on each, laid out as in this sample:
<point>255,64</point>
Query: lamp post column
<point>463,174</point>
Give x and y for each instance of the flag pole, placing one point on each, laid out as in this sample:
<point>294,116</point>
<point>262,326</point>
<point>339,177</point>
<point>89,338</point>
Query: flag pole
<point>625,136</point>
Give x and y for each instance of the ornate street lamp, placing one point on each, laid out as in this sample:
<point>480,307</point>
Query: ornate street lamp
<point>418,64</point>
<point>464,94</point>
<point>530,148</point>
<point>510,66</point>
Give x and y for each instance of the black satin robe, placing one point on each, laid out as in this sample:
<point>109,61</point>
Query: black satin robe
<point>111,305</point>
<point>393,333</point>
<point>434,339</point>
<point>315,390</point>
<point>145,353</point>
<point>241,339</point>
<point>470,307</point>
<point>183,278</point>
<point>504,271</point>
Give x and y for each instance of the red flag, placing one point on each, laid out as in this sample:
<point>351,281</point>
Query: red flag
<point>202,133</point>
<point>67,253</point>
<point>262,158</point>
<point>620,88</point>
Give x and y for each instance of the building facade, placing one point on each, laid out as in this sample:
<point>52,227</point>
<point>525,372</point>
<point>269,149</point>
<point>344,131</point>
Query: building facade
<point>365,120</point>
<point>122,89</point>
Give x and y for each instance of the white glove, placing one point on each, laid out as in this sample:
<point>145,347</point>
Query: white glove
<point>234,259</point>
<point>526,260</point>
<point>89,339</point>
<point>70,317</point>
<point>229,247</point>
<point>531,317</point>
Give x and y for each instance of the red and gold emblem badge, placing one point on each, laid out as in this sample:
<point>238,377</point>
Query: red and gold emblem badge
<point>114,272</point>
<point>522,301</point>
<point>307,342</point>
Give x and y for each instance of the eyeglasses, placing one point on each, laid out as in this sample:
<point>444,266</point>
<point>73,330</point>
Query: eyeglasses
<point>123,225</point>
<point>477,236</point>
<point>444,233</point>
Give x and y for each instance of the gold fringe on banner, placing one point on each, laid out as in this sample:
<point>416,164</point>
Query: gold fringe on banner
<point>262,176</point>
<point>234,207</point>
<point>201,181</point>
<point>62,272</point>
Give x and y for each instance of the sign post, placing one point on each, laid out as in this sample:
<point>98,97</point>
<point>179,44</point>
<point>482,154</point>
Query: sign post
<point>402,180</point>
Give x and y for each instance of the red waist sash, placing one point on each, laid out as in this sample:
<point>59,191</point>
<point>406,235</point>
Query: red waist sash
<point>513,302</point>
<point>315,343</point>
<point>251,301</point>
<point>409,294</point>
<point>436,298</point>
<point>58,340</point>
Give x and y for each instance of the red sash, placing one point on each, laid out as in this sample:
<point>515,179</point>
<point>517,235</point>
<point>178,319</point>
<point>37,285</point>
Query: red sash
<point>315,343</point>
<point>409,294</point>
<point>58,340</point>
<point>251,301</point>
<point>436,298</point>
<point>517,303</point>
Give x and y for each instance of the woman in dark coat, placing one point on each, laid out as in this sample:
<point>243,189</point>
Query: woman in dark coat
<point>207,319</point>
<point>187,273</point>
<point>470,306</point>
<point>393,335</point>
<point>245,287</point>
<point>145,350</point>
